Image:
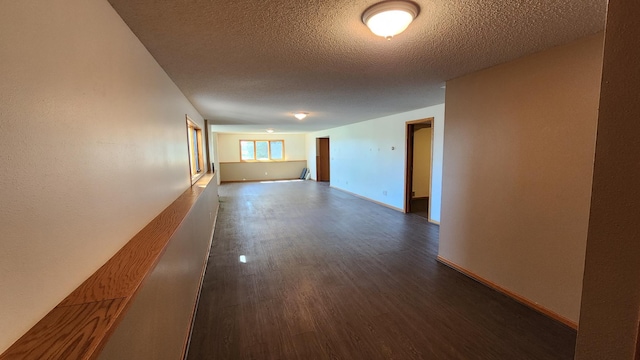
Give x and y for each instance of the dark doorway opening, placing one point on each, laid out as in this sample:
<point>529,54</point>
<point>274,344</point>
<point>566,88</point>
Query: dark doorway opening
<point>418,167</point>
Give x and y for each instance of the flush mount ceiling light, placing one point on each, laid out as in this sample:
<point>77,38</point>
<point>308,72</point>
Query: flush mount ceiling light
<point>300,115</point>
<point>390,18</point>
<point>269,131</point>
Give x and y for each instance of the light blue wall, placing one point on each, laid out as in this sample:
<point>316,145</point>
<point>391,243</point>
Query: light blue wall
<point>368,158</point>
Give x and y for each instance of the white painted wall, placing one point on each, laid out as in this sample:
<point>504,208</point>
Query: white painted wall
<point>92,147</point>
<point>609,315</point>
<point>363,162</point>
<point>229,145</point>
<point>213,143</point>
<point>519,158</point>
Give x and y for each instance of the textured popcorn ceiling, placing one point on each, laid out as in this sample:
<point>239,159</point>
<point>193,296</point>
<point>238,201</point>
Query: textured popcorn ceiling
<point>254,62</point>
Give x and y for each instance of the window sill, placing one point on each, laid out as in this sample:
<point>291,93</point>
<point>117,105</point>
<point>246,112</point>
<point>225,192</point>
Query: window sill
<point>262,161</point>
<point>196,177</point>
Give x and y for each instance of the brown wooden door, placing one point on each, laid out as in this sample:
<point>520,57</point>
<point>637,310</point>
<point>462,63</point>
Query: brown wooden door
<point>322,160</point>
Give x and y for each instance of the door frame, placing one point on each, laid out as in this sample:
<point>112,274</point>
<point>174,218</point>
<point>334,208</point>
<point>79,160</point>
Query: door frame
<point>408,165</point>
<point>638,344</point>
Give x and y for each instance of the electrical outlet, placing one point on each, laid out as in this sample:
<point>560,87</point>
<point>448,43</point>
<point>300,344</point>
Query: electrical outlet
<point>384,193</point>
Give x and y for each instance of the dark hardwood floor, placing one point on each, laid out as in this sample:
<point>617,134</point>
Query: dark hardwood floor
<point>331,276</point>
<point>420,206</point>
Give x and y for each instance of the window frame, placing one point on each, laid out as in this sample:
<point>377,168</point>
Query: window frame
<point>255,150</point>
<point>196,156</point>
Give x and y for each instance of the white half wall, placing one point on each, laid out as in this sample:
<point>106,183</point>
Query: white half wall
<point>368,158</point>
<point>214,153</point>
<point>92,147</point>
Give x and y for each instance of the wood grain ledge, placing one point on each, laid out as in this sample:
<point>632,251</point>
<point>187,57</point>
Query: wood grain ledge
<point>79,327</point>
<point>261,161</point>
<point>257,180</point>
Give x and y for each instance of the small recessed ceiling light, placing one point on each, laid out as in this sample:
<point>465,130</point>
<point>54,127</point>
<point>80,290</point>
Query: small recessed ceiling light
<point>269,131</point>
<point>300,115</point>
<point>389,18</point>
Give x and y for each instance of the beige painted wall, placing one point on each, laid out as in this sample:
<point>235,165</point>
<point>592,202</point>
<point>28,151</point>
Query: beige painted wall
<point>422,162</point>
<point>157,324</point>
<point>611,296</point>
<point>229,145</point>
<point>519,149</point>
<point>92,147</point>
<point>231,169</point>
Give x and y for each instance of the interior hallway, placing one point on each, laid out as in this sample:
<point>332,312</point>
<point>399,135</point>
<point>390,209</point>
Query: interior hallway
<point>329,275</point>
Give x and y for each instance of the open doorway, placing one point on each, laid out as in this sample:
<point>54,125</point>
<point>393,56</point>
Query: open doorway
<point>418,168</point>
<point>323,152</point>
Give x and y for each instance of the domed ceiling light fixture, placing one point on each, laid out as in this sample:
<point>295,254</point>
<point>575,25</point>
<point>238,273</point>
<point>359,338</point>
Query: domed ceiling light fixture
<point>390,18</point>
<point>300,115</point>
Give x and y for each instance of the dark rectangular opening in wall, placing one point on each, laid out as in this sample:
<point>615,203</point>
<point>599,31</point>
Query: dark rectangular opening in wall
<point>323,163</point>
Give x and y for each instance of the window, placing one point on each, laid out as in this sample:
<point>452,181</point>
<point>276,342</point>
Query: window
<point>196,160</point>
<point>261,150</point>
<point>247,150</point>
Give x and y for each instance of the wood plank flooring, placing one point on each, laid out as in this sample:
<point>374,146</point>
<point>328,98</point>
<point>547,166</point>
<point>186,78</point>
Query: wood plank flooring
<point>331,276</point>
